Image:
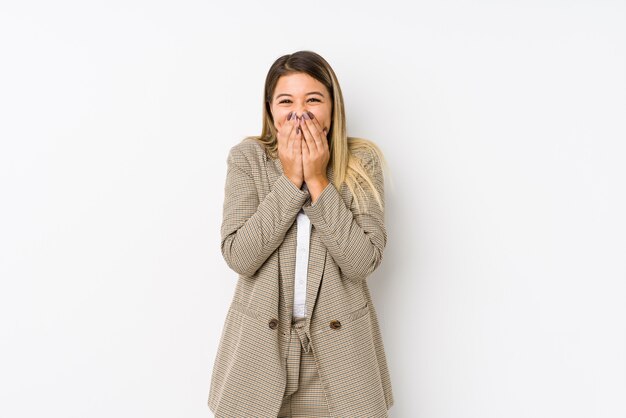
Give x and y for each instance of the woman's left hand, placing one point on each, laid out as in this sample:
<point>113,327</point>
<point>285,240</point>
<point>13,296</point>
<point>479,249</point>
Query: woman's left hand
<point>315,152</point>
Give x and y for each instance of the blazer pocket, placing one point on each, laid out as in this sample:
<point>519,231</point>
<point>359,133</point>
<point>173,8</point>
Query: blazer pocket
<point>346,319</point>
<point>354,315</point>
<point>240,308</point>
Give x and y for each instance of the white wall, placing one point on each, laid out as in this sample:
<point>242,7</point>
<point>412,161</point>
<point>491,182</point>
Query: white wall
<point>502,292</point>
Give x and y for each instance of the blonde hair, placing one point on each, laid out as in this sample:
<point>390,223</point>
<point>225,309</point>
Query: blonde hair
<point>345,151</point>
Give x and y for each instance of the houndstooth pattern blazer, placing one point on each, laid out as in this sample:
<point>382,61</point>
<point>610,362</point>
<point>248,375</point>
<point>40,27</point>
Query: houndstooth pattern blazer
<point>258,241</point>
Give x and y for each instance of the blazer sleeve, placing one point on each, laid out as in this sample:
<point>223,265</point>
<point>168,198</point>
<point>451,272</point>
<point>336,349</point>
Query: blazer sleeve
<point>355,239</point>
<point>252,230</point>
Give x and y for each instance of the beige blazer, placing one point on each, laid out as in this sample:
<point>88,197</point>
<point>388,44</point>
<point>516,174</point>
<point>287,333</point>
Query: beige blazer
<point>258,241</point>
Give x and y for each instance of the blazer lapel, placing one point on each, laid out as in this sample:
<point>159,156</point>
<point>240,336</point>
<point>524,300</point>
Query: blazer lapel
<point>285,255</point>
<point>317,262</point>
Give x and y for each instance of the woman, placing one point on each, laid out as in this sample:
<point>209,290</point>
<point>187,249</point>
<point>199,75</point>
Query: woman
<point>303,226</point>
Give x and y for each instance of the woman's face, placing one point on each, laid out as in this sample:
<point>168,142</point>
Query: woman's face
<point>299,92</point>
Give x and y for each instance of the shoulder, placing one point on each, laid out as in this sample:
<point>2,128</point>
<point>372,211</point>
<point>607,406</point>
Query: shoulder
<point>247,152</point>
<point>366,151</point>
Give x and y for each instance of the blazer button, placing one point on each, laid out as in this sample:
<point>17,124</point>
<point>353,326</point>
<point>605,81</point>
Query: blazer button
<point>334,324</point>
<point>273,323</point>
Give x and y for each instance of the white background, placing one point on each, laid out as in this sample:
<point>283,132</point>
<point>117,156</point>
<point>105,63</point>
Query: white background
<point>503,288</point>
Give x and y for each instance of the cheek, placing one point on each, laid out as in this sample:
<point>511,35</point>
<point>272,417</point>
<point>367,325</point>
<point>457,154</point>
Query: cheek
<point>323,118</point>
<point>279,116</point>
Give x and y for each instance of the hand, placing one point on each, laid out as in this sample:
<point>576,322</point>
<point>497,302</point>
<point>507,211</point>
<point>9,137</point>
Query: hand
<point>315,154</point>
<point>289,149</point>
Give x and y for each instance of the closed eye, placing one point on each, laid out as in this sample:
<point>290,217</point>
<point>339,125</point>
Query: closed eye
<point>287,100</point>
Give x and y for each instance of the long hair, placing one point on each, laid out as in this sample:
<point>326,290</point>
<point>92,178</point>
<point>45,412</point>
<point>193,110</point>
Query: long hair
<point>344,150</point>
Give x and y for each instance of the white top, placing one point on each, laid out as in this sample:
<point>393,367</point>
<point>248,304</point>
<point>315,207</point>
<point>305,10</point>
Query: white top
<point>302,263</point>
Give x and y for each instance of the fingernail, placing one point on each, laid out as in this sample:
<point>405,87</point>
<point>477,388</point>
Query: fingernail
<point>305,115</point>
<point>289,115</point>
<point>298,130</point>
<point>310,115</point>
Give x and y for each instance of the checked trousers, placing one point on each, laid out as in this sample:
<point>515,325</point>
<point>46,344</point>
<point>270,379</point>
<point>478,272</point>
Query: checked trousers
<point>304,395</point>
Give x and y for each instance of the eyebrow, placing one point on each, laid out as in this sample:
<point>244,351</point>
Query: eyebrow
<point>312,92</point>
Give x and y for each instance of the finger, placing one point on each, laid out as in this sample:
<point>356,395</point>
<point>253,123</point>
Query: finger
<point>313,140</point>
<point>305,152</point>
<point>283,141</point>
<point>325,138</point>
<point>294,133</point>
<point>319,132</point>
<point>299,135</point>
<point>298,149</point>
<point>316,124</point>
<point>305,139</point>
<point>316,129</point>
<point>322,131</point>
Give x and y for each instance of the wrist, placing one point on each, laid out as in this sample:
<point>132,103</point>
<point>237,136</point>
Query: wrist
<point>316,187</point>
<point>297,183</point>
<point>318,183</point>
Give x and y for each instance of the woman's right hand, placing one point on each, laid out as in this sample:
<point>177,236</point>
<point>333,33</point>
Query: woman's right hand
<point>290,149</point>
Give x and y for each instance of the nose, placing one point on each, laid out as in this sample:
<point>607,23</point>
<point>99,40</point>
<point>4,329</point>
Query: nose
<point>300,110</point>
